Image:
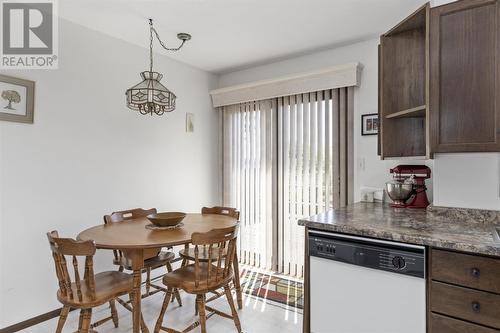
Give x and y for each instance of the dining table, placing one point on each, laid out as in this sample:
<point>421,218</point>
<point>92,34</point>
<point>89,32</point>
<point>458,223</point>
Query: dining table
<point>133,238</point>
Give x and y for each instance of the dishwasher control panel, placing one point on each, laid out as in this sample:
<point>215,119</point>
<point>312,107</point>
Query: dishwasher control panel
<point>387,256</point>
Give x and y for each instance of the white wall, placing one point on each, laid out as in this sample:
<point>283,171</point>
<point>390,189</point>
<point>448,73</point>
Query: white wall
<point>87,154</point>
<point>467,180</point>
<point>369,169</point>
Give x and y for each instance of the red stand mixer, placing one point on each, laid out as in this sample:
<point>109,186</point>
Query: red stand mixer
<point>408,189</point>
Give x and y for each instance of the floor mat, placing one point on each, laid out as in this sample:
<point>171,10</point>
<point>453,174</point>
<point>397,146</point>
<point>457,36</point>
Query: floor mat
<point>273,287</point>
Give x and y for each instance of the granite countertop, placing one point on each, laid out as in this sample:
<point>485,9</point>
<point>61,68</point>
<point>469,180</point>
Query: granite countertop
<point>468,230</point>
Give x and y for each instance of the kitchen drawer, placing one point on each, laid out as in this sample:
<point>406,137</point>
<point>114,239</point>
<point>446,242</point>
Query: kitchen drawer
<point>466,270</point>
<point>472,305</point>
<point>442,324</point>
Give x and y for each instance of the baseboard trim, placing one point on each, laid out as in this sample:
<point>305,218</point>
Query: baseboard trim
<point>31,322</point>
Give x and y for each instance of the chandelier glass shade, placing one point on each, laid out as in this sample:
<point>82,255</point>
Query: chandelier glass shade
<point>150,96</point>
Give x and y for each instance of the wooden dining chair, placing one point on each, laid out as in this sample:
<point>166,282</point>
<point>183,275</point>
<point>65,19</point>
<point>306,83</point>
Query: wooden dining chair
<point>91,291</point>
<point>205,276</point>
<point>187,254</point>
<point>153,258</point>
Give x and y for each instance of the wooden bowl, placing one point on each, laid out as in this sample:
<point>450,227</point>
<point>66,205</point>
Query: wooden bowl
<point>167,219</point>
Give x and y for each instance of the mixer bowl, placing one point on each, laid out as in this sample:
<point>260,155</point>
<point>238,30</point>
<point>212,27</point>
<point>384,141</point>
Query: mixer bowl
<point>399,192</point>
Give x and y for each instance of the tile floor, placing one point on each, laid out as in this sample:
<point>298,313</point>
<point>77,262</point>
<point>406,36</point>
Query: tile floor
<point>257,316</point>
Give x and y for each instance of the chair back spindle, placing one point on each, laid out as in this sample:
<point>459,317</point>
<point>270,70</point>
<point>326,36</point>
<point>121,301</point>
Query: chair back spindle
<point>220,244</point>
<point>219,210</point>
<point>66,247</point>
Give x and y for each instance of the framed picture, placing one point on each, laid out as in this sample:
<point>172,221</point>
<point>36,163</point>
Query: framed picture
<point>189,122</point>
<point>16,99</point>
<point>369,124</point>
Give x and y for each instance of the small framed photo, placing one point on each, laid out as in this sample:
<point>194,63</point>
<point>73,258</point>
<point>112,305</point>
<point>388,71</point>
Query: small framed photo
<point>16,99</point>
<point>369,124</point>
<point>189,122</point>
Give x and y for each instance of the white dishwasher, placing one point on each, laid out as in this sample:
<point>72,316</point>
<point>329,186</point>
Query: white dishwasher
<point>362,285</point>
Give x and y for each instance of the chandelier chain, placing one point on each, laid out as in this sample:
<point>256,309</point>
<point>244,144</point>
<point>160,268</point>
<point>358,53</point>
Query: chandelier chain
<point>152,31</point>
<point>163,45</point>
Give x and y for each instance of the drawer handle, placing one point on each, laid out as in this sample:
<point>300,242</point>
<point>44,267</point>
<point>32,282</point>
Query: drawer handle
<point>476,306</point>
<point>475,272</point>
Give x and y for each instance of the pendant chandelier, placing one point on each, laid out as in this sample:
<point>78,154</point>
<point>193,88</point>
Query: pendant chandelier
<point>150,96</point>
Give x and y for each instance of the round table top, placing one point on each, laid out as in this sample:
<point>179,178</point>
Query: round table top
<point>132,234</point>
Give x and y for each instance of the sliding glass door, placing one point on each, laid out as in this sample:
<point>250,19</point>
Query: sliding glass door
<point>284,159</point>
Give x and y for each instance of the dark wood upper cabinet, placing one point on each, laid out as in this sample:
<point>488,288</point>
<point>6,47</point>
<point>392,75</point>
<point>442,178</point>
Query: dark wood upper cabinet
<point>403,88</point>
<point>439,81</point>
<point>464,76</point>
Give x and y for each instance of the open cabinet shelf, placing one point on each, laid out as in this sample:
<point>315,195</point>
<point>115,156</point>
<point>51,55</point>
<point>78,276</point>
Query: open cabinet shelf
<point>403,88</point>
<point>418,112</point>
<point>404,158</point>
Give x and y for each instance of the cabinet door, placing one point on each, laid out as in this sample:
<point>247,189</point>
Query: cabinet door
<point>465,72</point>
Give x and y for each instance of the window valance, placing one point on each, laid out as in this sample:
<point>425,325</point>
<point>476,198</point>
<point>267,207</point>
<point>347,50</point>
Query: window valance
<point>342,76</point>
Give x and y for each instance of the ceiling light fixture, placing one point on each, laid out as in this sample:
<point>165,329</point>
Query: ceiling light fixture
<point>150,96</point>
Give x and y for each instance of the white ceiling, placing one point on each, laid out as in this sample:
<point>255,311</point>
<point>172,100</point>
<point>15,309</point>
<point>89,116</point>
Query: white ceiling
<point>234,34</point>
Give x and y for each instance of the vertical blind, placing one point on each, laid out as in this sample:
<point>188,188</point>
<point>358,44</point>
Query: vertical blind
<point>312,166</point>
<point>284,159</point>
<point>248,176</point>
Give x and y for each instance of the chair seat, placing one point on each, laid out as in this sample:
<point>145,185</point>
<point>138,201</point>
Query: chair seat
<point>189,254</point>
<point>108,285</point>
<point>184,278</point>
<point>160,260</point>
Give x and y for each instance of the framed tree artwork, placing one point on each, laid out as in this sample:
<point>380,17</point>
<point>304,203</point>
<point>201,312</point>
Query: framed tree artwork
<point>16,99</point>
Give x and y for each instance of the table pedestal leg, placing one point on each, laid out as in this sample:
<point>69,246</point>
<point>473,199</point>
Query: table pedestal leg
<point>136,257</point>
<point>136,301</point>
